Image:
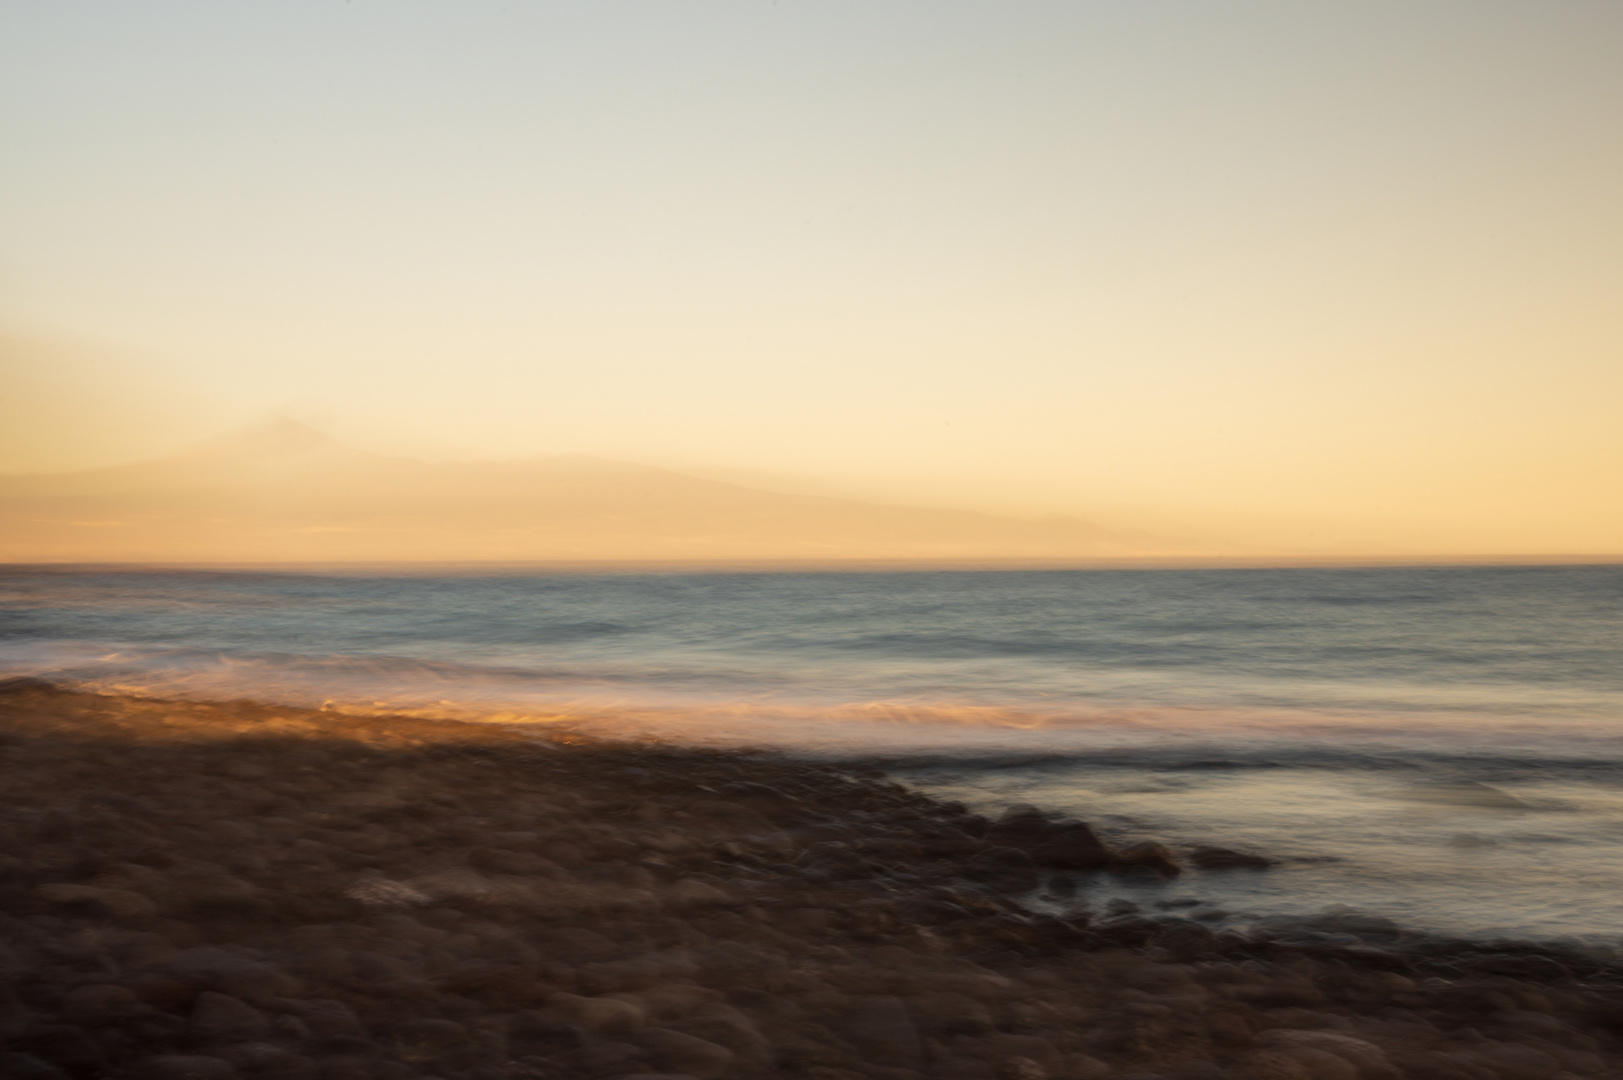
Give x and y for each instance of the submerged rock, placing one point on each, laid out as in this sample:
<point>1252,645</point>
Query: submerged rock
<point>1221,858</point>
<point>1146,857</point>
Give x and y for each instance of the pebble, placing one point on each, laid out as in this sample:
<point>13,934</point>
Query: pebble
<point>100,1003</point>
<point>185,1067</point>
<point>123,904</point>
<point>603,1015</point>
<point>686,1053</point>
<point>881,1029</point>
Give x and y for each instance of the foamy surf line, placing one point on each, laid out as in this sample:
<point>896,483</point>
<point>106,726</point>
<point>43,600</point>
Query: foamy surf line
<point>1151,736</point>
<point>1277,912</point>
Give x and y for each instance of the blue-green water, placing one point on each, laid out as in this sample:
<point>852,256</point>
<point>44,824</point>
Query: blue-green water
<point>1334,718</point>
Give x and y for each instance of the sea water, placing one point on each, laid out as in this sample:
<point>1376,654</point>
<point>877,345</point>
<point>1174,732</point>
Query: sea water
<point>1437,746</point>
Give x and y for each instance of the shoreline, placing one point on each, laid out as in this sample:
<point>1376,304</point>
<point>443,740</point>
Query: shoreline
<point>810,565</point>
<point>230,889</point>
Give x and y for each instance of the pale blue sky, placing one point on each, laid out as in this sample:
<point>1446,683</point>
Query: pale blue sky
<point>1279,258</point>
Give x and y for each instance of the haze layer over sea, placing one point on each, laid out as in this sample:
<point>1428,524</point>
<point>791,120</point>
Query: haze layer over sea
<point>1440,746</point>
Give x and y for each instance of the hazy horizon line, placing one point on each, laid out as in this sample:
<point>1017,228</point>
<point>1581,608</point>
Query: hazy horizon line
<point>831,565</point>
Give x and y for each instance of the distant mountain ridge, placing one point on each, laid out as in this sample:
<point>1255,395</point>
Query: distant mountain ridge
<point>287,492</point>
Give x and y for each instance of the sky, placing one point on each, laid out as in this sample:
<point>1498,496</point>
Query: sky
<point>1298,276</point>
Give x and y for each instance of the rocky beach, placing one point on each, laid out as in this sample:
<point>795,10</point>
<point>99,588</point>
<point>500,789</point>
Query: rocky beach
<point>209,891</point>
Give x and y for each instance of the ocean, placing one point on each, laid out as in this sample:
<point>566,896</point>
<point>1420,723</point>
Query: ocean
<point>1441,747</point>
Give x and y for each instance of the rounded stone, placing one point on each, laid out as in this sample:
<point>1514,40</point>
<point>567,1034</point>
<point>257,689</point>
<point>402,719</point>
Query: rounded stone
<point>185,1067</point>
<point>228,1019</point>
<point>686,1053</point>
<point>17,1066</point>
<point>597,1014</point>
<point>431,1033</point>
<point>100,1003</point>
<point>117,903</point>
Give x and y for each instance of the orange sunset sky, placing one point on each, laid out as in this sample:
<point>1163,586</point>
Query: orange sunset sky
<point>1244,278</point>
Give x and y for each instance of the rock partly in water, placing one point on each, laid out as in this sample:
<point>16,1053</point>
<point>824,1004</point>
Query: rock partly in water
<point>1221,858</point>
<point>1147,857</point>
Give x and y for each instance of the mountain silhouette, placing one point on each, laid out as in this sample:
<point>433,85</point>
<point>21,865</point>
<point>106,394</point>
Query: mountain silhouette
<point>285,491</point>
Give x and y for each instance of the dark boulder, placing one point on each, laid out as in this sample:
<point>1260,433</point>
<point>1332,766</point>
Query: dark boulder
<point>1221,858</point>
<point>1146,858</point>
<point>1003,867</point>
<point>1071,845</point>
<point>1021,825</point>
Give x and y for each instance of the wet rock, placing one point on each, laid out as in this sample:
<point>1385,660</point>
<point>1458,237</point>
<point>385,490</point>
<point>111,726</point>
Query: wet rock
<point>221,1017</point>
<point>1321,1064</point>
<point>692,893</point>
<point>68,1046</point>
<point>216,969</point>
<point>610,1058</point>
<point>750,789</point>
<point>1001,1047</point>
<point>100,1004</point>
<point>882,1030</point>
<point>14,1015</point>
<point>505,861</point>
<point>499,985</point>
<point>1183,940</point>
<point>1515,966</point>
<point>363,841</point>
<point>122,904</point>
<point>1021,825</point>
<point>726,1026</point>
<point>324,965</point>
<point>948,843</point>
<point>211,890</point>
<point>162,991</point>
<point>1007,867</point>
<point>146,950</point>
<point>1514,1061</point>
<point>185,1067</point>
<point>675,999</point>
<point>1369,1059</point>
<point>406,928</point>
<point>264,1060</point>
<point>1271,1065</point>
<point>1086,1067</point>
<point>1191,1069</point>
<point>1147,857</point>
<point>385,970</point>
<point>944,1013</point>
<point>232,831</point>
<point>1280,994</point>
<point>430,1035</point>
<point>685,1053</point>
<point>326,1017</point>
<point>602,1015</point>
<point>1071,845</point>
<point>348,1067</point>
<point>579,945</point>
<point>15,1066</point>
<point>1221,858</point>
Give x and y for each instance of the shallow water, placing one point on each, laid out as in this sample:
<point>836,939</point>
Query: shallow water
<point>1442,746</point>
